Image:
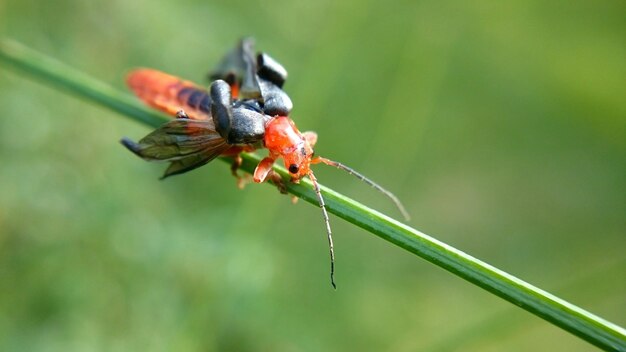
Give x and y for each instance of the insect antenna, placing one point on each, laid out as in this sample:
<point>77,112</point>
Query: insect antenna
<point>361,177</point>
<point>320,199</point>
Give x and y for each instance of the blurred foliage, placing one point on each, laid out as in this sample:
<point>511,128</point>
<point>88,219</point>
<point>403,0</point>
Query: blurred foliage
<point>502,126</point>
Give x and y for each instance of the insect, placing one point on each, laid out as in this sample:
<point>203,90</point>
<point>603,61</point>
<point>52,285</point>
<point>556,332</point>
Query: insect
<point>244,109</point>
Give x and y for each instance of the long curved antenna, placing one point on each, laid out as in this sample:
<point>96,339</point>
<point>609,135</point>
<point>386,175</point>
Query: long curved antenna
<point>351,171</point>
<point>316,187</point>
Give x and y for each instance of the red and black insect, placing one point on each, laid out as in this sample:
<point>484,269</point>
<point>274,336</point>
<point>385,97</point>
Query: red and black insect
<point>244,109</point>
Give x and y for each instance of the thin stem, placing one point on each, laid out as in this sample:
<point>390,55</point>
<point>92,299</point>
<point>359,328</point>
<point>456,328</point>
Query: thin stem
<point>59,75</point>
<point>561,313</point>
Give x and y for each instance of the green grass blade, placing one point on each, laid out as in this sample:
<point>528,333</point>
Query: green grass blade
<point>59,75</point>
<point>561,313</point>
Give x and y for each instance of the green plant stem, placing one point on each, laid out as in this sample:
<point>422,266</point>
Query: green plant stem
<point>561,313</point>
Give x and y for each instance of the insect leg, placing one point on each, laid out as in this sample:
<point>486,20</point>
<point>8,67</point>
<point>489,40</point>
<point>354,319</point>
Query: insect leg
<point>221,109</point>
<point>241,180</point>
<point>276,101</point>
<point>238,67</point>
<point>270,69</point>
<point>237,161</point>
<point>310,137</point>
<point>239,125</point>
<point>264,172</point>
<point>263,169</point>
<point>181,114</point>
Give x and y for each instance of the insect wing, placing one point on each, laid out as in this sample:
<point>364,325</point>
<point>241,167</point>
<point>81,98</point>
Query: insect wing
<point>169,93</point>
<point>238,68</point>
<point>186,143</point>
<point>189,163</point>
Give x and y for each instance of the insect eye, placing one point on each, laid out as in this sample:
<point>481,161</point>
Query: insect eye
<point>293,168</point>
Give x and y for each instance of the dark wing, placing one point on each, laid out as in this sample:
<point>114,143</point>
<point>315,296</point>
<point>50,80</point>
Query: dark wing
<point>259,78</point>
<point>169,93</point>
<point>186,143</point>
<point>238,68</point>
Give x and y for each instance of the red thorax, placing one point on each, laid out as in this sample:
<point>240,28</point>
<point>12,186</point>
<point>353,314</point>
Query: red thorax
<point>283,139</point>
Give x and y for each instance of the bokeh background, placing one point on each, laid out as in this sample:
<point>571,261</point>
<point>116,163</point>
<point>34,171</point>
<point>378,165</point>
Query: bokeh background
<point>500,125</point>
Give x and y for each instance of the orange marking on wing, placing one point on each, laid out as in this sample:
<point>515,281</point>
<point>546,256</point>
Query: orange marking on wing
<point>160,90</point>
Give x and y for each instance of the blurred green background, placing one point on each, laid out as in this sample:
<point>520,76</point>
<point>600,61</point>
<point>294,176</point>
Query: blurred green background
<point>501,126</point>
